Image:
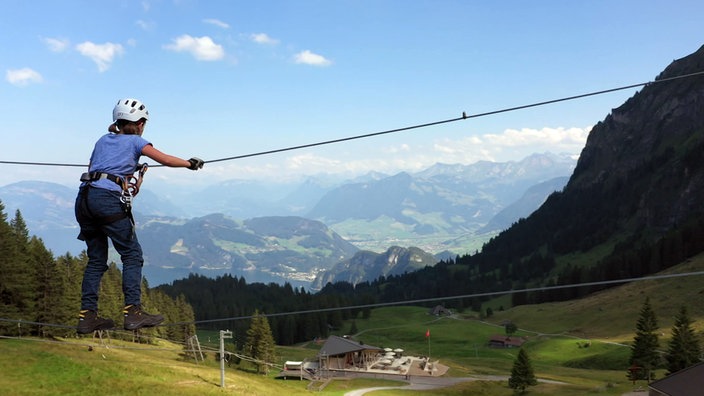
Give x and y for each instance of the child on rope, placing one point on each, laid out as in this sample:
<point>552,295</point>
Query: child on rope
<point>103,210</point>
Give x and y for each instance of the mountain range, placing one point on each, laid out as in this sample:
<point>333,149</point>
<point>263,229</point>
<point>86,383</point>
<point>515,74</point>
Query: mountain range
<point>295,232</point>
<point>367,266</point>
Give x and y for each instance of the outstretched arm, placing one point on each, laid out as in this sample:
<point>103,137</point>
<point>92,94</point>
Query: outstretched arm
<point>163,158</point>
<point>169,160</point>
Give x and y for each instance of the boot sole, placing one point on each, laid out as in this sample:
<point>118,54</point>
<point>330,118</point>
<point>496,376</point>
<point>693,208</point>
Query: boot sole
<point>137,326</point>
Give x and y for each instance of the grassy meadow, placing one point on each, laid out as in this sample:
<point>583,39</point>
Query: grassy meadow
<point>580,346</point>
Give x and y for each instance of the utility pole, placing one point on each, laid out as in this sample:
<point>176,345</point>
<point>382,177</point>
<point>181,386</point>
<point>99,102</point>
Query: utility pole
<point>223,334</point>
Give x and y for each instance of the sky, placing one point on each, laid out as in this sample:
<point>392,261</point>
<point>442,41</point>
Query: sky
<point>232,78</point>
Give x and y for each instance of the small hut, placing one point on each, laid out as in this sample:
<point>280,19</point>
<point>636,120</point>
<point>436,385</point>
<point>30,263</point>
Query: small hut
<point>502,341</point>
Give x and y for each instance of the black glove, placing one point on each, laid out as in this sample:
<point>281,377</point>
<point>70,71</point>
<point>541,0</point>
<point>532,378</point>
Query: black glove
<point>196,163</point>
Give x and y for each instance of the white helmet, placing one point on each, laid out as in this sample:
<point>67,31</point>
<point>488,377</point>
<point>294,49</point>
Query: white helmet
<point>130,110</point>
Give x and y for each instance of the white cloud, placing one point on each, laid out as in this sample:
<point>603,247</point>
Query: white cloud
<point>401,148</point>
<point>308,58</point>
<point>311,161</point>
<point>202,48</point>
<point>102,54</point>
<point>56,45</point>
<point>23,77</point>
<point>563,137</point>
<point>510,145</point>
<point>513,144</point>
<point>263,38</point>
<point>216,22</point>
<point>145,25</point>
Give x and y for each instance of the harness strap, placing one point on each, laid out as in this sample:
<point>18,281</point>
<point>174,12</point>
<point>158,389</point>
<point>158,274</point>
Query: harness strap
<point>130,188</point>
<point>95,176</point>
<point>130,185</point>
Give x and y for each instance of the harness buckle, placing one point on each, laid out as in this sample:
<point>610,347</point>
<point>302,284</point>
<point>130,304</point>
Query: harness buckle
<point>133,183</point>
<point>126,198</point>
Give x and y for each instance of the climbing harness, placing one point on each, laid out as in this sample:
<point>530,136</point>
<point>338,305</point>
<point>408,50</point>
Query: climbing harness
<point>130,185</point>
<point>135,182</point>
<point>130,188</point>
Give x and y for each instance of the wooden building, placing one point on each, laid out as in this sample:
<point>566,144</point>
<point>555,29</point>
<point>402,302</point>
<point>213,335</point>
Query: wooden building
<point>503,341</point>
<point>687,382</point>
<point>340,353</point>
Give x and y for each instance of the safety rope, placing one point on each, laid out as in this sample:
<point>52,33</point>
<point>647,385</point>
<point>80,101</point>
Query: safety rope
<point>461,118</point>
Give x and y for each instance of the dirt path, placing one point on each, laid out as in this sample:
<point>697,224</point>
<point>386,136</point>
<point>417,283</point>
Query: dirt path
<point>423,383</point>
<point>419,384</point>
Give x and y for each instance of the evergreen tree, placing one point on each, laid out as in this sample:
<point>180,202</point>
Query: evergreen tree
<point>24,279</point>
<point>16,293</point>
<point>260,342</point>
<point>111,300</point>
<point>67,298</point>
<point>353,328</point>
<point>49,306</point>
<point>683,349</point>
<point>70,271</point>
<point>522,374</point>
<point>186,316</point>
<point>36,287</point>
<point>510,328</point>
<point>287,330</point>
<point>644,354</point>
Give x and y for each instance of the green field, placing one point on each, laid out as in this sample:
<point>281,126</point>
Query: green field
<point>581,345</point>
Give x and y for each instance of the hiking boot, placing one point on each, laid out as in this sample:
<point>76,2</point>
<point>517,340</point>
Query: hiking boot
<point>135,318</point>
<point>89,321</point>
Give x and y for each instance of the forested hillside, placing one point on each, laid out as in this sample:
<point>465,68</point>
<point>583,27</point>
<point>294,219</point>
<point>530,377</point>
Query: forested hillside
<point>632,206</point>
<point>40,294</point>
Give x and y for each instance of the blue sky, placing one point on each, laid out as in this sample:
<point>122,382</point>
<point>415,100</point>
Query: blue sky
<point>229,78</point>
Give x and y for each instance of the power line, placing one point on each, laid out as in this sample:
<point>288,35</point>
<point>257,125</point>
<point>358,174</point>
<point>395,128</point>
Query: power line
<point>425,300</point>
<point>404,302</point>
<point>396,130</point>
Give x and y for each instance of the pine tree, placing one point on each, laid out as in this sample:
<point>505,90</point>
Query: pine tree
<point>25,278</point>
<point>16,281</point>
<point>111,300</point>
<point>287,330</point>
<point>522,374</point>
<point>683,349</point>
<point>70,271</point>
<point>186,316</point>
<point>353,328</point>
<point>7,254</point>
<point>50,289</point>
<point>67,299</point>
<point>260,342</point>
<point>644,354</point>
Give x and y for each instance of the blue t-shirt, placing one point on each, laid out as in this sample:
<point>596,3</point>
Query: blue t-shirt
<point>116,154</point>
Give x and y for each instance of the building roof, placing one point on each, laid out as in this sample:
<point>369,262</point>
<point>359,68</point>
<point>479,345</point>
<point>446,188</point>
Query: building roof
<point>439,310</point>
<point>507,340</point>
<point>682,383</point>
<point>339,346</point>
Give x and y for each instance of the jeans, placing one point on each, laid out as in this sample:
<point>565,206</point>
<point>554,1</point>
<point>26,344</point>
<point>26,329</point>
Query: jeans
<point>100,215</point>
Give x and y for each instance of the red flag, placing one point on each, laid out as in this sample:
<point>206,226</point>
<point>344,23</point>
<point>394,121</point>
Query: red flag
<point>427,333</point>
